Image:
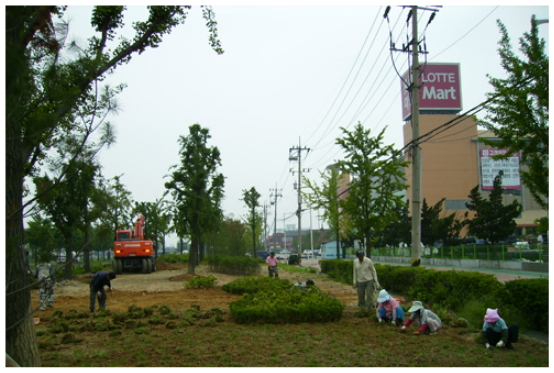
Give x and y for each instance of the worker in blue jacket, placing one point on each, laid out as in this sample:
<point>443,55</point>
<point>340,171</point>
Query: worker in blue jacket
<point>97,284</point>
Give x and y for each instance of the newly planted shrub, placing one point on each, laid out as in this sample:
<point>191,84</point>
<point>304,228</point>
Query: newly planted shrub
<point>278,305</point>
<point>253,284</point>
<point>200,282</point>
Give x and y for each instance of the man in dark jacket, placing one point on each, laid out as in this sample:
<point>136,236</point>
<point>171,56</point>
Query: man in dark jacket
<point>97,284</point>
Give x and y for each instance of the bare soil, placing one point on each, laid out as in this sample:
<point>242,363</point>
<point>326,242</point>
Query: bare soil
<point>166,287</point>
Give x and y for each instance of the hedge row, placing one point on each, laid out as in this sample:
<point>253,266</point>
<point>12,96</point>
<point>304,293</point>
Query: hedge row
<point>234,265</point>
<point>271,300</point>
<point>525,301</point>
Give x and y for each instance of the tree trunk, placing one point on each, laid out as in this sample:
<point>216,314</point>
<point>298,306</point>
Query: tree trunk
<point>68,257</point>
<point>368,245</point>
<point>21,341</point>
<point>193,254</point>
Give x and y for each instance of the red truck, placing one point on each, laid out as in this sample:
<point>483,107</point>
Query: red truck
<point>132,251</point>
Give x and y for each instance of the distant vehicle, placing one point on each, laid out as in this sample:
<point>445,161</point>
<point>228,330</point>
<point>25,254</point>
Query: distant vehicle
<point>522,245</point>
<point>262,254</point>
<point>132,250</point>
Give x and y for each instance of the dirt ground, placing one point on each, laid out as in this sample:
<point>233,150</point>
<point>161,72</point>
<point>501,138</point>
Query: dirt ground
<point>166,287</point>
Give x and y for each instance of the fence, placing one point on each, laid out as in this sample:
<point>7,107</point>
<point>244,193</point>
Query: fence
<point>532,253</point>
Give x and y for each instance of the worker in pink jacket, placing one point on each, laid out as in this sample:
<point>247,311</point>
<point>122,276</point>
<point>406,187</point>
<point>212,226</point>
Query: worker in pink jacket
<point>272,265</point>
<point>388,309</point>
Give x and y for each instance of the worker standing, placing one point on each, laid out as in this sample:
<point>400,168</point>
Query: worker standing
<point>47,279</point>
<point>97,284</point>
<point>365,280</point>
<point>272,265</point>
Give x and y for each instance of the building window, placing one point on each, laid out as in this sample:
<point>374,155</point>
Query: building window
<point>456,204</point>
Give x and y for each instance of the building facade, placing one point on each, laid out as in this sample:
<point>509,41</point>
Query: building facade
<point>454,161</point>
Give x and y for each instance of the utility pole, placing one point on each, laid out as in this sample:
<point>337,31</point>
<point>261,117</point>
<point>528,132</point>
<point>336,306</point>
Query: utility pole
<point>415,149</point>
<point>265,225</point>
<point>295,154</point>
<point>275,193</point>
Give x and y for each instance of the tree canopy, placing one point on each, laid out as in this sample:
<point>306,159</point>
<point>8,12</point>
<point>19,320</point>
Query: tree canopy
<point>197,189</point>
<point>377,182</point>
<point>493,221</point>
<point>518,109</point>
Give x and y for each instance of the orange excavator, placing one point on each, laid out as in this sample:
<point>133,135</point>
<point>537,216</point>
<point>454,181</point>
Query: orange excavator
<point>132,251</point>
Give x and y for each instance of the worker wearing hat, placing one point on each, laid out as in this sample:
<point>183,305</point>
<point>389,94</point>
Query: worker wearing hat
<point>496,332</point>
<point>365,280</point>
<point>388,309</point>
<point>427,320</point>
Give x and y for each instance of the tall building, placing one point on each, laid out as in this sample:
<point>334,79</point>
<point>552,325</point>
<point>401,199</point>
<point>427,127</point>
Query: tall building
<point>454,162</point>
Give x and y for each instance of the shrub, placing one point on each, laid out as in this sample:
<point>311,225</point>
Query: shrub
<point>234,265</point>
<point>200,282</point>
<point>173,258</point>
<point>527,299</point>
<point>253,284</point>
<point>467,293</point>
<point>280,305</point>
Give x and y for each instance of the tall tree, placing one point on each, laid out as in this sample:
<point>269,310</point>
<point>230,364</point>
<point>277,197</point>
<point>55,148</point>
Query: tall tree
<point>377,182</point>
<point>327,198</point>
<point>67,204</point>
<point>518,109</point>
<point>42,93</point>
<point>493,221</point>
<point>253,220</point>
<point>197,190</point>
<point>41,237</point>
<point>230,238</point>
<point>435,228</point>
<point>399,230</point>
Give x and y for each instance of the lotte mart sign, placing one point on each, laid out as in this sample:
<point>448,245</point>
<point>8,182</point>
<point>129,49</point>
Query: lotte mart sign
<point>439,90</point>
<point>490,168</point>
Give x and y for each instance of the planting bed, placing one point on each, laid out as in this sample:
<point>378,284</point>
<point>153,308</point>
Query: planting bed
<point>352,341</point>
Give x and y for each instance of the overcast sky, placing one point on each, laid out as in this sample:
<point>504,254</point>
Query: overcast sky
<point>290,75</point>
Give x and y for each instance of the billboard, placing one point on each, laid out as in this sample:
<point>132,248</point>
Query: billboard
<point>440,90</point>
<point>490,168</point>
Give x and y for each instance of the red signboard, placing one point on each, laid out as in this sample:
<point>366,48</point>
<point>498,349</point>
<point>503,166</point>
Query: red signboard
<point>439,89</point>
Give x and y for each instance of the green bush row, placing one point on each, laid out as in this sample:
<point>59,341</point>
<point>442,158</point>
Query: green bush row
<point>234,265</point>
<point>173,258</point>
<point>467,293</point>
<point>278,301</point>
<point>254,284</point>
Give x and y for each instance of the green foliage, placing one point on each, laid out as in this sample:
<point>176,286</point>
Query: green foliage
<point>518,108</point>
<point>493,220</point>
<point>468,294</point>
<point>529,299</point>
<point>173,258</point>
<point>324,197</point>
<point>279,305</point>
<point>197,189</point>
<point>234,265</point>
<point>373,191</point>
<point>340,270</point>
<point>434,228</point>
<point>254,219</point>
<point>230,239</point>
<point>200,282</point>
<point>254,284</point>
